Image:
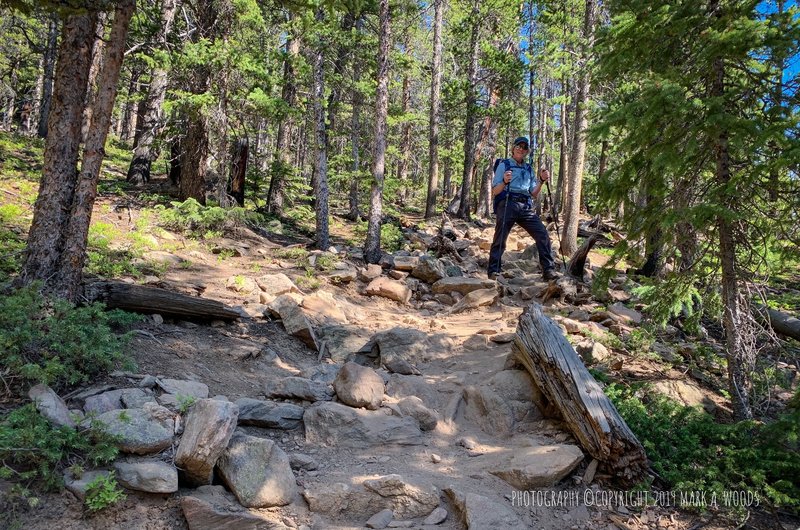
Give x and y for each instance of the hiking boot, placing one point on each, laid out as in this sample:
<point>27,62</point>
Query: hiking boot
<point>550,275</point>
<point>494,275</point>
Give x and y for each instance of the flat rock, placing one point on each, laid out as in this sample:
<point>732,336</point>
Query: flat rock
<point>78,486</point>
<point>211,507</point>
<point>480,513</point>
<point>685,392</point>
<point>401,344</point>
<point>51,406</point>
<point>269,414</point>
<point>437,516</point>
<point>504,403</point>
<point>502,338</point>
<point>104,402</point>
<point>476,299</point>
<point>241,284</point>
<point>342,340</point>
<point>322,308</point>
<point>138,431</point>
<point>303,461</point>
<point>628,314</point>
<point>359,386</point>
<point>257,472</point>
<point>539,467</point>
<point>380,519</point>
<point>322,372</point>
<point>461,285</point>
<point>298,388</point>
<point>209,426</point>
<point>276,284</point>
<point>334,424</point>
<point>390,492</point>
<point>405,263</point>
<point>388,288</point>
<point>152,476</point>
<point>181,387</point>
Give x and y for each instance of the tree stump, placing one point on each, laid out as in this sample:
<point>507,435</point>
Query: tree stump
<point>564,380</point>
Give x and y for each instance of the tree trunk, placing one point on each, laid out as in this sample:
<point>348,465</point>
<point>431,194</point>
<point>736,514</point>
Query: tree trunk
<point>127,124</point>
<point>47,78</point>
<point>239,169</point>
<point>734,303</point>
<point>153,115</point>
<point>372,245</point>
<point>405,142</point>
<point>565,382</point>
<point>175,157</point>
<point>433,128</point>
<point>57,186</point>
<point>321,140</point>
<point>569,234</point>
<point>195,144</point>
<point>355,134</point>
<point>97,64</point>
<point>471,100</point>
<point>281,167</point>
<point>75,235</point>
<point>563,157</point>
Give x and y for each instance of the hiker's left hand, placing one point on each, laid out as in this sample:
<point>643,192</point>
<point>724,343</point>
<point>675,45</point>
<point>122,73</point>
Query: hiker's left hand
<point>544,176</point>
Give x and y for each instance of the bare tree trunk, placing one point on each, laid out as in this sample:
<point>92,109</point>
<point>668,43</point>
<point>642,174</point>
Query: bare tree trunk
<point>355,134</point>
<point>153,115</point>
<point>321,136</point>
<point>282,164</point>
<point>127,124</point>
<point>175,157</point>
<point>57,187</point>
<point>70,269</point>
<point>563,158</point>
<point>469,127</point>
<point>372,245</point>
<point>485,196</point>
<point>239,169</point>
<point>569,233</point>
<point>433,128</point>
<point>97,64</point>
<point>405,142</point>
<point>49,67</point>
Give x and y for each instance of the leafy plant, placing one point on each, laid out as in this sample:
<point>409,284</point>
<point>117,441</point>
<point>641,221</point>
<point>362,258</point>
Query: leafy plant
<point>193,218</point>
<point>391,237</point>
<point>185,402</point>
<point>55,343</point>
<point>103,492</point>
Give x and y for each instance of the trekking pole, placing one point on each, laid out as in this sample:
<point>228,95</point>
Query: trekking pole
<point>555,218</point>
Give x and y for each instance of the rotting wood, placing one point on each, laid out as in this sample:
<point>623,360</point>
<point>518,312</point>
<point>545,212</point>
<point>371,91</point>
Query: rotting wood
<point>783,323</point>
<point>143,299</point>
<point>578,260</point>
<point>566,383</point>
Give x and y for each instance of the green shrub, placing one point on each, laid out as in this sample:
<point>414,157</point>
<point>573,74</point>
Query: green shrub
<point>193,218</point>
<point>33,452</point>
<point>391,237</point>
<point>103,492</point>
<point>52,342</point>
<point>691,452</point>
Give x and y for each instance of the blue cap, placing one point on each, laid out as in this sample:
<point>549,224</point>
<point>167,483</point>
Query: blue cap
<point>522,140</point>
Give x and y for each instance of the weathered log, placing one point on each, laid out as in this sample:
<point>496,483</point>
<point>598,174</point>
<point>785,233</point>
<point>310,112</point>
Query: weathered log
<point>566,383</point>
<point>142,299</point>
<point>784,324</point>
<point>578,260</point>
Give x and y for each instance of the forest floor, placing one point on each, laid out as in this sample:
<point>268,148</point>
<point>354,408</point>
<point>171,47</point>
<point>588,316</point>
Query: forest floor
<point>236,359</point>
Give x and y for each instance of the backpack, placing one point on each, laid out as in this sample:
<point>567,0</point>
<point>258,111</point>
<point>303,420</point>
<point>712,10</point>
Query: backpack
<point>500,197</point>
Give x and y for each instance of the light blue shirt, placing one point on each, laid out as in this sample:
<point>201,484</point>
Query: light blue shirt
<point>522,179</point>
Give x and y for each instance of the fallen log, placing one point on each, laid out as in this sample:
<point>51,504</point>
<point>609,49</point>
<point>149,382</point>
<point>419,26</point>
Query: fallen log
<point>784,324</point>
<point>142,299</point>
<point>563,379</point>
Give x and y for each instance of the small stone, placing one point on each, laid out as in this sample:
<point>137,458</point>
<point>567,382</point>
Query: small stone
<point>437,516</point>
<point>380,519</point>
<point>51,406</point>
<point>467,443</point>
<point>157,319</point>
<point>435,459</point>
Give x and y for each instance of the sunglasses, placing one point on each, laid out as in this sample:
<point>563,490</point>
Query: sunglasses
<point>522,146</point>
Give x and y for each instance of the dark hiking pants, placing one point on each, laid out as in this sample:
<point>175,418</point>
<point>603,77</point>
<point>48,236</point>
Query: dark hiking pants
<point>522,214</point>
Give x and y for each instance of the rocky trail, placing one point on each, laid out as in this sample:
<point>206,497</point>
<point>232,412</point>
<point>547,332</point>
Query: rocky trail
<point>383,396</point>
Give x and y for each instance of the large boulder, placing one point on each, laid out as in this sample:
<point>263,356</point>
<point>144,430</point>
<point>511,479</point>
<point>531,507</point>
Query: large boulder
<point>359,386</point>
<point>294,320</point>
<point>322,308</point>
<point>274,285</point>
<point>257,471</point>
<point>152,476</point>
<point>401,345</point>
<point>503,404</point>
<point>51,406</point>
<point>335,424</point>
<point>269,414</point>
<point>139,431</point>
<point>342,340</point>
<point>415,407</point>
<point>209,426</point>
<point>429,270</point>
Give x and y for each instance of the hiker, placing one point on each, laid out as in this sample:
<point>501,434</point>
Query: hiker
<point>513,188</point>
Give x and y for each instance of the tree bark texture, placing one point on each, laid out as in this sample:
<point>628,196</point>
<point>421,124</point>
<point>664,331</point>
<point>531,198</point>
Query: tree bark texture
<point>566,383</point>
<point>569,235</point>
<point>355,135</point>
<point>435,108</point>
<point>94,70</point>
<point>57,187</point>
<point>372,245</point>
<point>153,116</point>
<point>471,116</point>
<point>241,151</point>
<point>76,233</point>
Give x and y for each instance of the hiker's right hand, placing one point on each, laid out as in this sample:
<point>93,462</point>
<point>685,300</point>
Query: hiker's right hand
<point>507,176</point>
